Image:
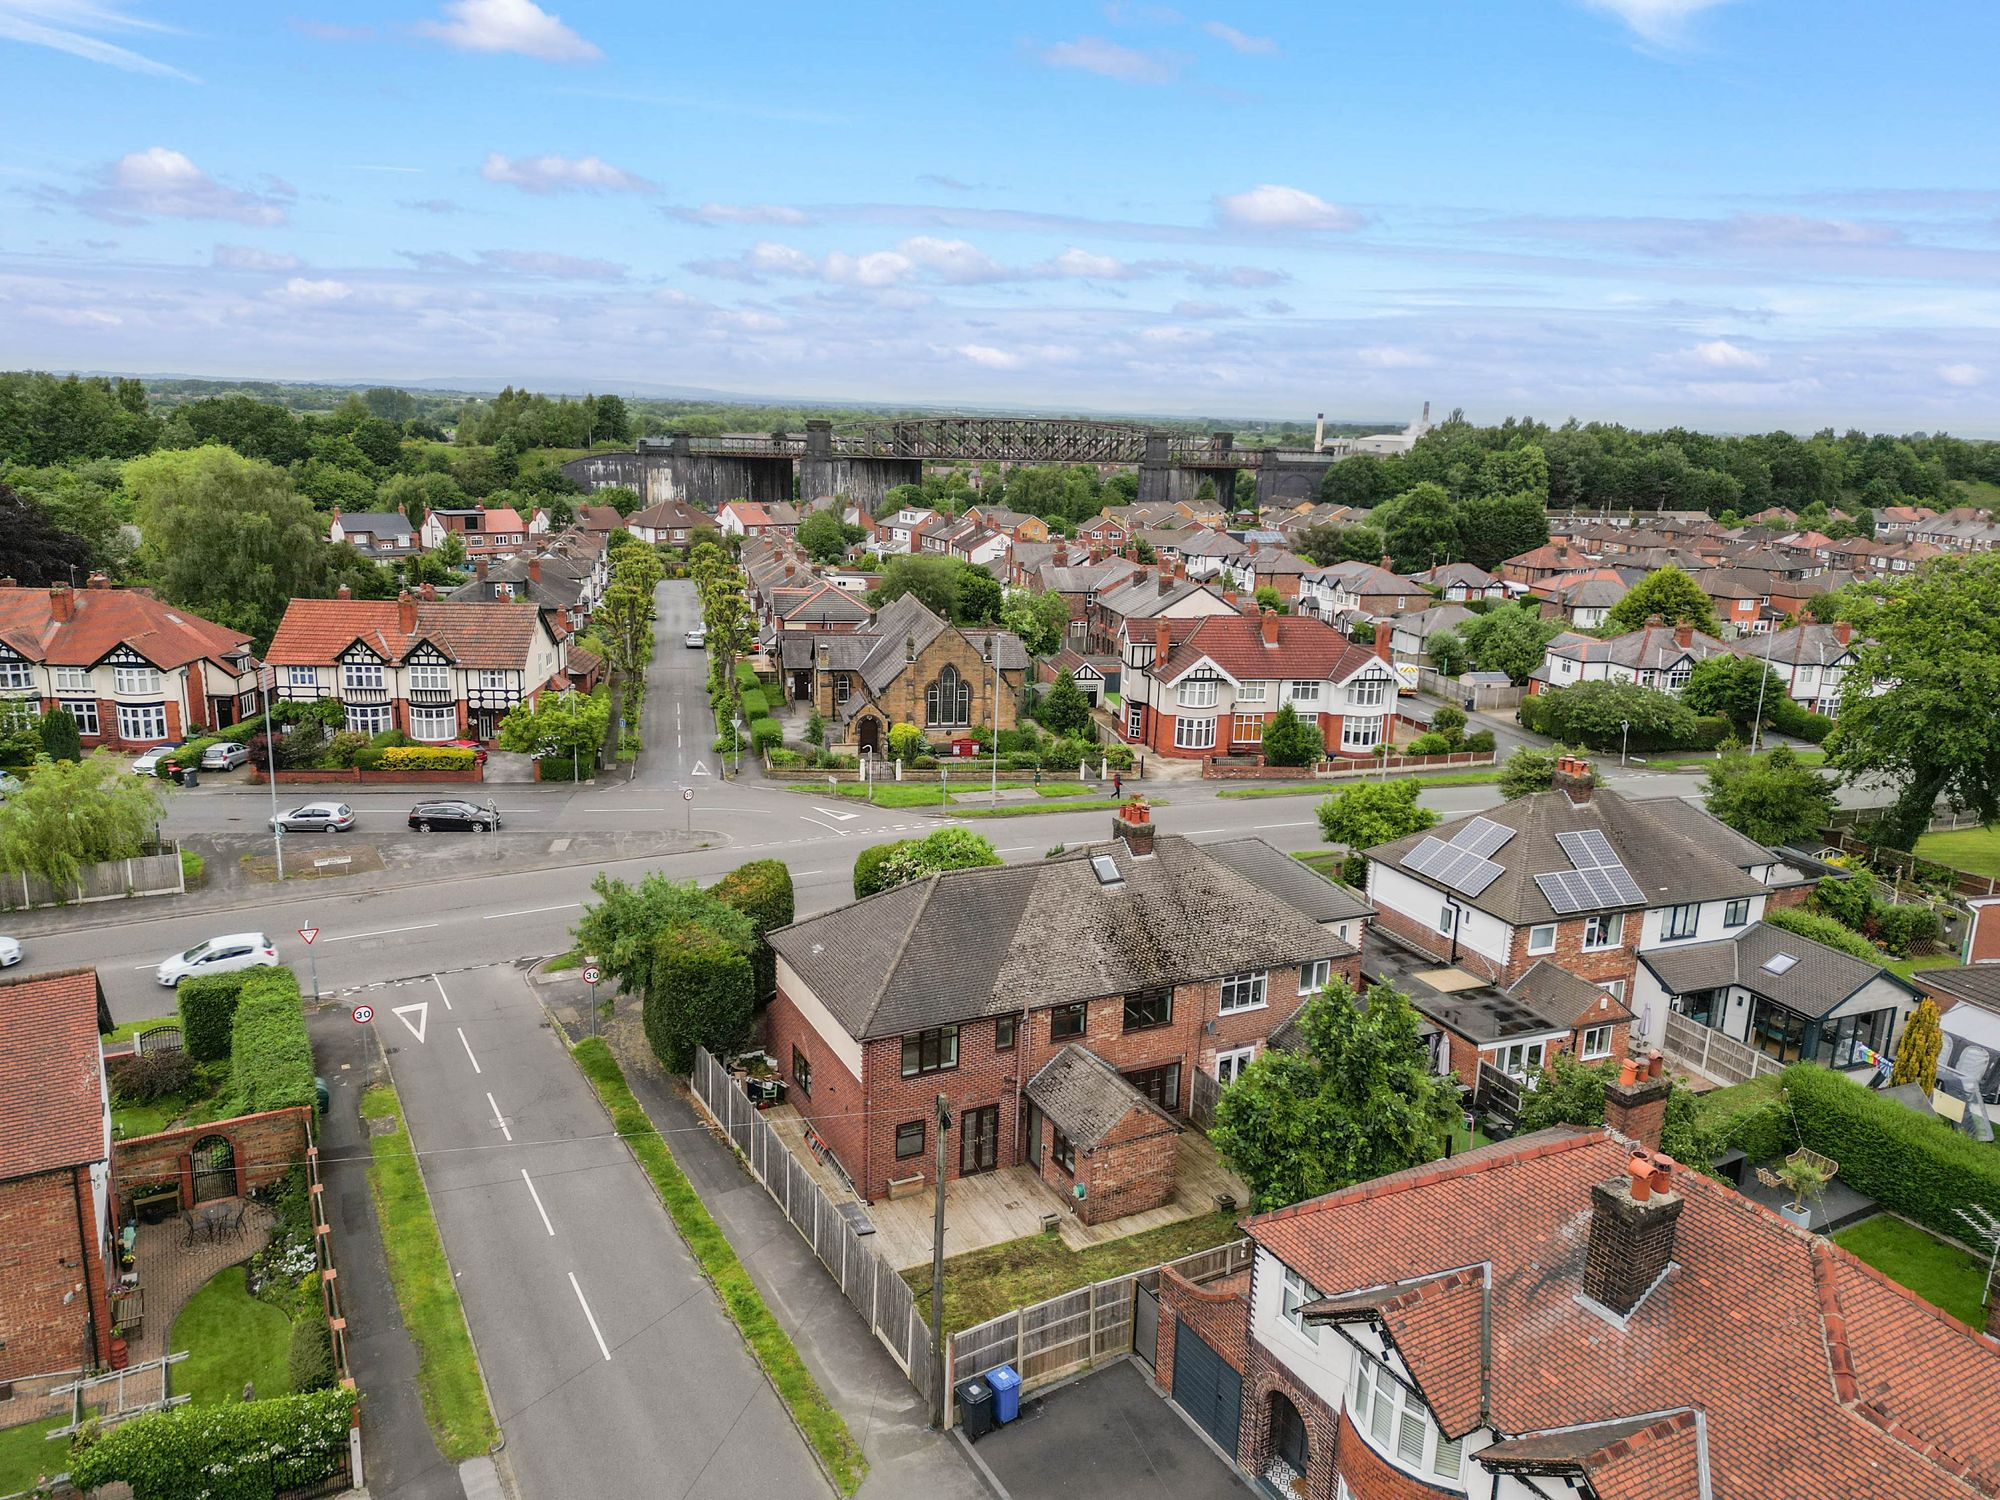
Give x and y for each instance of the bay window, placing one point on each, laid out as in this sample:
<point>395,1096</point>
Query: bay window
<point>1398,1426</point>
<point>432,725</point>
<point>1194,734</point>
<point>142,721</point>
<point>1360,734</point>
<point>16,674</point>
<point>1198,692</point>
<point>370,718</point>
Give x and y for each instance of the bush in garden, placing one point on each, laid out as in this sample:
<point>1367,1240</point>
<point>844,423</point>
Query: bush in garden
<point>153,1075</point>
<point>270,1057</point>
<point>1481,742</point>
<point>1428,744</point>
<point>907,742</point>
<point>766,734</point>
<point>1449,721</point>
<point>237,1450</point>
<point>701,993</point>
<point>207,1007</point>
<point>868,877</point>
<point>429,758</point>
<point>762,891</point>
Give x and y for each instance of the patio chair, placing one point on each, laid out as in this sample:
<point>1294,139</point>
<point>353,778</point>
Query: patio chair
<point>236,1224</point>
<point>187,1230</point>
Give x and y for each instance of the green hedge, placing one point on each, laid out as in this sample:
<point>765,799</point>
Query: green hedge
<point>1820,929</point>
<point>766,734</point>
<point>702,993</point>
<point>1909,1163</point>
<point>1788,716</point>
<point>238,1450</point>
<point>428,758</point>
<point>756,705</point>
<point>207,1008</point>
<point>746,675</point>
<point>270,1056</point>
<point>762,891</point>
<point>868,866</point>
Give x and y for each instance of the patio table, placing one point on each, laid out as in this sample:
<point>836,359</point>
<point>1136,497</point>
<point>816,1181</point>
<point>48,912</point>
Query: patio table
<point>210,1218</point>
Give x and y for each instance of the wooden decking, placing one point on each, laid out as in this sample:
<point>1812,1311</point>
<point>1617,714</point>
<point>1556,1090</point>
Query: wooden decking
<point>1008,1204</point>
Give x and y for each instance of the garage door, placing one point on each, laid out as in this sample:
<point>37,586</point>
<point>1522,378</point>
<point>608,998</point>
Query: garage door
<point>1206,1388</point>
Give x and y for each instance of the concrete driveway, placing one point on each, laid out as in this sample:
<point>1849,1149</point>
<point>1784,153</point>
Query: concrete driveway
<point>1110,1436</point>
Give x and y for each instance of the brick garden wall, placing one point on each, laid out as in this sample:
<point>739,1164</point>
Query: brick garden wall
<point>1218,1311</point>
<point>45,1323</point>
<point>1264,1375</point>
<point>378,777</point>
<point>266,1145</point>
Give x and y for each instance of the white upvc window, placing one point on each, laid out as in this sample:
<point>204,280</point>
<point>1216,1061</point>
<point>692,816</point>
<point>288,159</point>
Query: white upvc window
<point>1303,693</point>
<point>142,721</point>
<point>430,677</point>
<point>1542,938</point>
<point>1243,991</point>
<point>1313,976</point>
<point>1596,1042</point>
<point>369,718</point>
<point>1519,1059</point>
<point>1395,1423</point>
<point>491,679</point>
<point>84,711</point>
<point>1194,734</point>
<point>16,674</point>
<point>135,680</point>
<point>361,675</point>
<point>72,679</point>
<point>1198,692</point>
<point>433,724</point>
<point>1229,1065</point>
<point>302,676</point>
<point>1253,692</point>
<point>1368,692</point>
<point>1295,1294</point>
<point>1604,930</point>
<point>1360,734</point>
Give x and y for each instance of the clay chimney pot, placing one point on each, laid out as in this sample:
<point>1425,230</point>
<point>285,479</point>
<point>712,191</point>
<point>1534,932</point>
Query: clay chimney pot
<point>1640,1171</point>
<point>1628,1073</point>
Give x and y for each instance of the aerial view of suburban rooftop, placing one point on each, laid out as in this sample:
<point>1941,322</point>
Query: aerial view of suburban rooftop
<point>999,753</point>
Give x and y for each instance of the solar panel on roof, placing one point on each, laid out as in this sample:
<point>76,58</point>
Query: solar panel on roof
<point>1587,849</point>
<point>1480,878</point>
<point>1424,858</point>
<point>1461,869</point>
<point>1483,836</point>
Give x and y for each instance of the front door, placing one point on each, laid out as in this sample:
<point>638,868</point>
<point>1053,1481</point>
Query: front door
<point>979,1140</point>
<point>868,733</point>
<point>1031,1132</point>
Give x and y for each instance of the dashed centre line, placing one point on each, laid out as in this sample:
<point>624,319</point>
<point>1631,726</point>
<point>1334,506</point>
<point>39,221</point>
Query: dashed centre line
<point>598,1333</point>
<point>468,1049</point>
<point>538,1207</point>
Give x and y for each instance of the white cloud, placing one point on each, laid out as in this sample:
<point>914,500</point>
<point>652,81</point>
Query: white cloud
<point>1661,22</point>
<point>876,268</point>
<point>1962,375</point>
<point>249,258</point>
<point>1720,354</point>
<point>954,262</point>
<point>562,174</point>
<point>780,260</point>
<point>300,290</point>
<point>741,213</point>
<point>1391,357</point>
<point>1273,206</point>
<point>67,26</point>
<point>547,264</point>
<point>1241,41</point>
<point>1086,265</point>
<point>1107,59</point>
<point>162,182</point>
<point>990,358</point>
<point>508,26</point>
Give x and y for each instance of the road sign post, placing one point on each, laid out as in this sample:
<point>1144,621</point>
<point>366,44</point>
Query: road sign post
<point>267,679</point>
<point>687,796</point>
<point>363,1014</point>
<point>591,974</point>
<point>312,961</point>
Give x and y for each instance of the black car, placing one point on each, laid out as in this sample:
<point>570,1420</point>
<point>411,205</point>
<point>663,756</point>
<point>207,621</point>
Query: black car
<point>426,816</point>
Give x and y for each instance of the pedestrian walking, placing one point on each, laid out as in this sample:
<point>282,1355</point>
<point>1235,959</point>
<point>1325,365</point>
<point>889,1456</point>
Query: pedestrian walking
<point>1117,784</point>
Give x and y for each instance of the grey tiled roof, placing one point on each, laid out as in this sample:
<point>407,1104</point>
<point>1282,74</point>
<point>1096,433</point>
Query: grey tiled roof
<point>1085,1096</point>
<point>1977,984</point>
<point>983,942</point>
<point>1821,978</point>
<point>1564,998</point>
<point>1673,856</point>
<point>1297,885</point>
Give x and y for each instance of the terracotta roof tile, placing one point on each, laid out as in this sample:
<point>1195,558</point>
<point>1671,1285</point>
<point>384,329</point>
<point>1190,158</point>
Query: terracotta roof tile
<point>1308,649</point>
<point>51,1073</point>
<point>483,633</point>
<point>103,619</point>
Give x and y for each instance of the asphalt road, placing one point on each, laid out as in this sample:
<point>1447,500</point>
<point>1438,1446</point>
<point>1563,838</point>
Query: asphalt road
<point>612,1367</point>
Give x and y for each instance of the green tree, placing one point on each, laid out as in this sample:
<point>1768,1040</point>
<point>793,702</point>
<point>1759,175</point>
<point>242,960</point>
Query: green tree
<point>980,596</point>
<point>1512,638</point>
<point>1917,707</point>
<point>1063,708</point>
<point>1669,593</point>
<point>621,927</point>
<point>1040,620</point>
<point>1492,528</point>
<point>1736,687</point>
<point>762,891</point>
<point>1770,798</point>
<point>1358,1101</point>
<point>227,537</point>
<point>84,499</point>
<point>933,579</point>
<point>947,849</point>
<point>869,865</point>
<point>1566,1092</point>
<point>1612,714</point>
<point>1267,597</point>
<point>1419,527</point>
<point>61,739</point>
<point>568,727</point>
<point>1290,741</point>
<point>1532,769</point>
<point>821,535</point>
<point>73,813</point>
<point>1447,651</point>
<point>1922,1043</point>
<point>907,742</point>
<point>1374,812</point>
<point>701,992</point>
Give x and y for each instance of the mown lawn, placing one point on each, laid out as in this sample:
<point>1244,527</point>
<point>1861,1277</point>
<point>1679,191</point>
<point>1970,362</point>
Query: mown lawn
<point>1332,784</point>
<point>931,794</point>
<point>232,1340</point>
<point>1973,849</point>
<point>983,1284</point>
<point>1943,1275</point>
<point>27,1455</point>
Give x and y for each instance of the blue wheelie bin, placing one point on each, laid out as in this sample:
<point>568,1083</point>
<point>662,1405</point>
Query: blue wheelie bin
<point>1006,1393</point>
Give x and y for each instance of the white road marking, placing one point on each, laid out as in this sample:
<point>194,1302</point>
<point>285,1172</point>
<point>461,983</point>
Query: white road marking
<point>1015,849</point>
<point>801,874</point>
<point>348,937</point>
<point>1195,833</point>
<point>603,1348</point>
<point>501,916</point>
<point>538,1203</point>
<point>423,1010</point>
<point>835,814</point>
<point>1261,826</point>
<point>441,994</point>
<point>827,826</point>
<point>498,1120</point>
<point>468,1049</point>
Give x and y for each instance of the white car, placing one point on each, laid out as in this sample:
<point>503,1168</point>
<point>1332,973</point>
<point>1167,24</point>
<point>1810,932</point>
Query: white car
<point>10,952</point>
<point>696,638</point>
<point>221,955</point>
<point>148,763</point>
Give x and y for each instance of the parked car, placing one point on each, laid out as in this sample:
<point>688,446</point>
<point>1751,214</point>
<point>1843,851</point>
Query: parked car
<point>696,639</point>
<point>478,750</point>
<point>316,817</point>
<point>428,816</point>
<point>148,763</point>
<point>224,755</point>
<point>220,955</point>
<point>10,952</point>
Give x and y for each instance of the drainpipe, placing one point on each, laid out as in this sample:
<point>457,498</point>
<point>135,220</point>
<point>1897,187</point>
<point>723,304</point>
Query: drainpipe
<point>83,1247</point>
<point>1457,916</point>
<point>1021,1042</point>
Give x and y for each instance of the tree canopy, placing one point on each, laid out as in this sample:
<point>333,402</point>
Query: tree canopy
<point>1039,619</point>
<point>1669,593</point>
<point>73,813</point>
<point>1368,813</point>
<point>1770,798</point>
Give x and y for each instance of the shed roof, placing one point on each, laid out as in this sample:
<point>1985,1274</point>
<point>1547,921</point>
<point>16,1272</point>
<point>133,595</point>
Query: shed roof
<point>1086,1097</point>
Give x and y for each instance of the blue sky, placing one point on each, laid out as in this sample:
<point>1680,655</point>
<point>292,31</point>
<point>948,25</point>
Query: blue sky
<point>1728,213</point>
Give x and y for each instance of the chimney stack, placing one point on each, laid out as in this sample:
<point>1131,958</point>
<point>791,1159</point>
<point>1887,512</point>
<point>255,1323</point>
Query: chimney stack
<point>1387,561</point>
<point>98,581</point>
<point>1384,633</point>
<point>343,592</point>
<point>1062,556</point>
<point>1134,824</point>
<point>1319,432</point>
<point>1684,635</point>
<point>1162,643</point>
<point>428,593</point>
<point>1573,779</point>
<point>1843,632</point>
<point>1166,581</point>
<point>479,568</point>
<point>62,603</point>
<point>1635,1103</point>
<point>10,583</point>
<point>406,612</point>
<point>1632,1221</point>
<point>1268,623</point>
<point>534,570</point>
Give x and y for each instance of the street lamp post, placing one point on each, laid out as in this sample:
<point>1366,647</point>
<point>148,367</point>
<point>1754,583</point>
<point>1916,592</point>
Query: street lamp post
<point>266,678</point>
<point>1624,738</point>
<point>1757,729</point>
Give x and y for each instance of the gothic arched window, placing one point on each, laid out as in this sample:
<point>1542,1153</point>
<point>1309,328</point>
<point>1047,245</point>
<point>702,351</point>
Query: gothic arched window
<point>948,700</point>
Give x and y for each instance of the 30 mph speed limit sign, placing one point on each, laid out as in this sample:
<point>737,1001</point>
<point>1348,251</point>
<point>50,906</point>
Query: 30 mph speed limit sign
<point>591,974</point>
<point>363,1014</point>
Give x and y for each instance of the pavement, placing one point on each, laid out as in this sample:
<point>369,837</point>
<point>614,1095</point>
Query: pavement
<point>613,1368</point>
<point>1110,1435</point>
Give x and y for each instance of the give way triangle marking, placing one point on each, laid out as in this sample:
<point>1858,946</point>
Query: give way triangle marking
<point>835,814</point>
<point>700,769</point>
<point>423,1010</point>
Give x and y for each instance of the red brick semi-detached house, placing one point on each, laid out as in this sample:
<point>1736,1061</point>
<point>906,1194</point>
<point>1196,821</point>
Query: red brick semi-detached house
<point>1208,686</point>
<point>1149,955</point>
<point>131,670</point>
<point>56,1218</point>
<point>436,669</point>
<point>1570,1314</point>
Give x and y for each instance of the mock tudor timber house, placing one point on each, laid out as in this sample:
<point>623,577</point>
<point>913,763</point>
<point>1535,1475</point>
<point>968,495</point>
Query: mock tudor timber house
<point>436,669</point>
<point>1061,1006</point>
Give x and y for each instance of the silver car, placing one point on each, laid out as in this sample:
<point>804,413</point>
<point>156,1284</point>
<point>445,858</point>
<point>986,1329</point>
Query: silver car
<point>316,817</point>
<point>224,755</point>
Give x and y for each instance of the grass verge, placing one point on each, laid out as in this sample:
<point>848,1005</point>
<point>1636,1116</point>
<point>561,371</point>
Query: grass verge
<point>1943,1275</point>
<point>1330,785</point>
<point>130,1029</point>
<point>232,1340</point>
<point>982,1284</point>
<point>1976,850</point>
<point>563,962</point>
<point>1030,809</point>
<point>821,1424</point>
<point>448,1379</point>
<point>894,794</point>
<point>27,1455</point>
